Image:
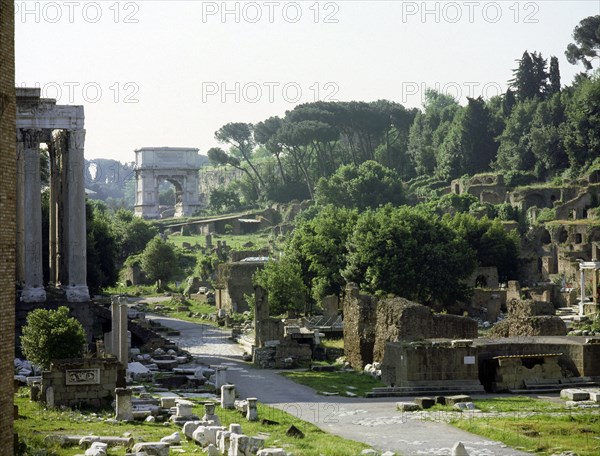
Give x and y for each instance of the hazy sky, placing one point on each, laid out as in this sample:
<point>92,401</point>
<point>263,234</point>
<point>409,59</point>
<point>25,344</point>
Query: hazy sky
<point>170,73</point>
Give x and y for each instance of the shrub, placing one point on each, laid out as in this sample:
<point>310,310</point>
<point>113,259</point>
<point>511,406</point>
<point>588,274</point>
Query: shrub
<point>52,334</point>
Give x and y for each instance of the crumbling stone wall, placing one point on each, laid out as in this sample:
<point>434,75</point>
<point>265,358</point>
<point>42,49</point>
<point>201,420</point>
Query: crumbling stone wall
<point>512,373</point>
<point>530,326</point>
<point>369,323</point>
<point>234,281</point>
<point>530,317</point>
<point>529,308</point>
<point>359,327</point>
<point>8,169</point>
<point>428,363</point>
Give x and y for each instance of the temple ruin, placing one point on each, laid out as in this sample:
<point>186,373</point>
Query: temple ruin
<point>61,128</point>
<point>177,165</point>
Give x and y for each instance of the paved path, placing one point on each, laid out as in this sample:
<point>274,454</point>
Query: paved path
<point>372,421</point>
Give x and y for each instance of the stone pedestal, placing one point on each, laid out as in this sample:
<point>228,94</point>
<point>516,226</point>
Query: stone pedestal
<point>220,377</point>
<point>252,412</point>
<point>228,396</point>
<point>124,405</point>
<point>209,413</point>
<point>184,412</point>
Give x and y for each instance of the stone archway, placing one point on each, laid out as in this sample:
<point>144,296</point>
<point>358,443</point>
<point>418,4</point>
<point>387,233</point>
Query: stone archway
<point>176,165</point>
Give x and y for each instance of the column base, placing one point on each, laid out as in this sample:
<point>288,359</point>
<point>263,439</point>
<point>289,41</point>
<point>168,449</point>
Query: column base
<point>33,294</point>
<point>77,293</point>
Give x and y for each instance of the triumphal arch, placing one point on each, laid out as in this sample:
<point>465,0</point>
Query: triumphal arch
<point>61,128</point>
<point>177,165</point>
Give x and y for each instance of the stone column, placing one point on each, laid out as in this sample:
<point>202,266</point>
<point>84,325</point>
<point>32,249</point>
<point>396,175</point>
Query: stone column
<point>252,412</point>
<point>220,377</point>
<point>77,290</point>
<point>582,292</point>
<point>115,323</point>
<point>228,396</point>
<point>33,286</point>
<point>123,335</point>
<point>124,405</point>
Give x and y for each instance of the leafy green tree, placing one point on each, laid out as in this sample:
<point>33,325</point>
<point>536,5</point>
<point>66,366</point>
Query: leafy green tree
<point>514,151</point>
<point>367,185</point>
<point>52,334</point>
<point>493,245</point>
<point>420,145</point>
<point>283,282</point>
<point>581,131</point>
<point>102,245</point>
<point>159,261</point>
<point>587,42</point>
<point>131,234</point>
<point>469,147</point>
<point>554,76</point>
<point>265,133</point>
<point>218,156</point>
<point>239,136</point>
<point>318,245</point>
<point>508,102</point>
<point>224,200</point>
<point>430,129</point>
<point>530,78</point>
<point>545,137</point>
<point>410,253</point>
<point>166,197</point>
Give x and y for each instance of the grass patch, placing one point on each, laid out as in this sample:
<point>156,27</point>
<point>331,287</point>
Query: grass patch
<point>35,423</point>
<point>332,343</point>
<point>340,382</point>
<point>543,434</point>
<point>236,242</point>
<point>174,308</point>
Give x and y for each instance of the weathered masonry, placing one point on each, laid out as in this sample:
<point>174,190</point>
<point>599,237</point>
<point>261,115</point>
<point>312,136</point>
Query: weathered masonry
<point>176,165</point>
<point>7,223</point>
<point>41,120</point>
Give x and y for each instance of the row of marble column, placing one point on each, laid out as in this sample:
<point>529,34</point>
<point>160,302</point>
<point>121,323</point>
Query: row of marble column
<point>67,222</point>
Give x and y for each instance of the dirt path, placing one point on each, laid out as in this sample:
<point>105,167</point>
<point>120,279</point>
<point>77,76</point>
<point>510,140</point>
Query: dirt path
<point>372,421</point>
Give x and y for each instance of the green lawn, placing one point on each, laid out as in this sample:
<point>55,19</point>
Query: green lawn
<point>553,429</point>
<point>35,423</point>
<point>543,434</point>
<point>170,309</point>
<point>236,242</point>
<point>335,382</point>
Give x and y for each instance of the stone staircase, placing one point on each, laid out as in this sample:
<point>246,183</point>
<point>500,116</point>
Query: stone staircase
<point>436,389</point>
<point>554,386</point>
<point>568,314</point>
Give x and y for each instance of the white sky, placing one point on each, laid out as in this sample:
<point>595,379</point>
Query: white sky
<point>170,73</point>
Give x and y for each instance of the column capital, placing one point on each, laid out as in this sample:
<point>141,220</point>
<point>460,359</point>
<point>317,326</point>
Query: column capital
<point>30,137</point>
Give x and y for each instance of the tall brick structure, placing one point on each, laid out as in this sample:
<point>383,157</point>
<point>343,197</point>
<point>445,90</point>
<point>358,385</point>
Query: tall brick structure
<point>7,222</point>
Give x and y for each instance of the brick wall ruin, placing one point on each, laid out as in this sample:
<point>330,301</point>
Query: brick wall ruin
<point>234,280</point>
<point>7,222</point>
<point>369,323</point>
